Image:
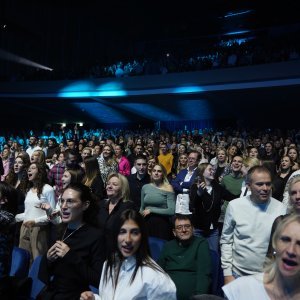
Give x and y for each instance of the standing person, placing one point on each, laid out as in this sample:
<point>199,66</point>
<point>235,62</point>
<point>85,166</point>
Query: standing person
<point>165,158</point>
<point>138,180</point>
<point>183,181</point>
<point>123,162</point>
<point>282,176</point>
<point>206,196</point>
<point>75,260</point>
<point>129,272</point>
<point>220,164</point>
<point>158,204</point>
<point>34,233</point>
<point>33,145</point>
<point>8,209</point>
<point>107,163</point>
<point>118,200</point>
<point>92,177</point>
<point>281,277</point>
<point>247,227</point>
<point>55,174</point>
<point>5,155</point>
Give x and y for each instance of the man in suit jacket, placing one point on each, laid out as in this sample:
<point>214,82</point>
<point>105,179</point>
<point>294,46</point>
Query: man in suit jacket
<point>183,182</point>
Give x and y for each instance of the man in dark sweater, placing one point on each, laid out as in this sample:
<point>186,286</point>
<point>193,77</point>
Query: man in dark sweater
<point>138,180</point>
<point>187,260</point>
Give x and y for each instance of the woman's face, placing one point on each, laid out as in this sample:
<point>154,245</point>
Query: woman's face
<point>18,165</point>
<point>157,173</point>
<point>35,157</point>
<point>114,188</point>
<point>295,196</point>
<point>288,251</point>
<point>208,173</point>
<point>183,160</point>
<point>181,149</point>
<point>221,156</point>
<point>253,153</point>
<point>118,151</point>
<point>32,172</point>
<point>292,153</point>
<point>232,150</point>
<point>72,207</point>
<point>106,152</point>
<point>129,238</point>
<point>66,179</point>
<point>151,163</point>
<point>86,153</point>
<point>285,163</point>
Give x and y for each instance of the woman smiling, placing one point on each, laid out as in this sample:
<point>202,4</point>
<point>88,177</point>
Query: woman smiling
<point>129,272</point>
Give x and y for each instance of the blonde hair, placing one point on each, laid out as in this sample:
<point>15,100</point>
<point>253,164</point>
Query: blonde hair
<point>125,192</point>
<point>271,267</point>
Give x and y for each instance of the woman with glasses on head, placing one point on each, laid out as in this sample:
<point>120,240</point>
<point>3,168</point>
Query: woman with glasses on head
<point>75,260</point>
<point>129,272</point>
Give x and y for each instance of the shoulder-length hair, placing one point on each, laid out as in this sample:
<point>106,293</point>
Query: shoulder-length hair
<point>125,192</point>
<point>91,170</point>
<point>142,255</point>
<point>271,267</point>
<point>164,172</point>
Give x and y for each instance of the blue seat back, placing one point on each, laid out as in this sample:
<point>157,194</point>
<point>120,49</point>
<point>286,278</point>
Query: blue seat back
<point>37,285</point>
<point>20,261</point>
<point>156,246</point>
<point>217,274</point>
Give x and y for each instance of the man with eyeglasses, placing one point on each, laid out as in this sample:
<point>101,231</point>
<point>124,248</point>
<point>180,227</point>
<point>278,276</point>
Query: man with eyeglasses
<point>187,260</point>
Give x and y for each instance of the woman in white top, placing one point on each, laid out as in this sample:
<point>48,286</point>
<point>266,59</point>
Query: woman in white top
<point>282,275</point>
<point>34,233</point>
<point>129,272</point>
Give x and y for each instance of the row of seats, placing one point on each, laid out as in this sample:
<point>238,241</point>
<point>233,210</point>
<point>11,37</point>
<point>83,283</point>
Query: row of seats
<point>21,261</point>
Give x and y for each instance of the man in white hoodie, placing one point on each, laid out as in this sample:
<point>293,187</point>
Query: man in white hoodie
<point>247,227</point>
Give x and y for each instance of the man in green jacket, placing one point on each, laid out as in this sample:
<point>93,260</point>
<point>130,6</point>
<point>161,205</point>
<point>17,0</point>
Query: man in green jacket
<point>187,260</point>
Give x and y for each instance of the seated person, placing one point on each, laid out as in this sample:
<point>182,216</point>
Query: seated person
<point>187,260</point>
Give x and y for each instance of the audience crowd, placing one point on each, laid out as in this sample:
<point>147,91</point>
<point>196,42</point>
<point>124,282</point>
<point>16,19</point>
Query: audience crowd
<point>185,57</point>
<point>83,199</point>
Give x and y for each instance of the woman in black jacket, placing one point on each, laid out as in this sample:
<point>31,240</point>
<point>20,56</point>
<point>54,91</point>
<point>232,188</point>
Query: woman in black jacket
<point>206,196</point>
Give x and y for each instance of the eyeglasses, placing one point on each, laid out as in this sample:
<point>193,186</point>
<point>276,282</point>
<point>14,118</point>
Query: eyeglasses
<point>185,226</point>
<point>69,202</point>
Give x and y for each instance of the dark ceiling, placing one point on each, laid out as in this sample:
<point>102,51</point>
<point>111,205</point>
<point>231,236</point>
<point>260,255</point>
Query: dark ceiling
<point>65,32</point>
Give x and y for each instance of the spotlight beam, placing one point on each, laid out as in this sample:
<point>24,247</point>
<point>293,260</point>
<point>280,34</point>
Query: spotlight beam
<point>21,60</point>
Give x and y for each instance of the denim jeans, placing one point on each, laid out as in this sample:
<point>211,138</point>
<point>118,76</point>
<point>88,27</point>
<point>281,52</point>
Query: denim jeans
<point>212,239</point>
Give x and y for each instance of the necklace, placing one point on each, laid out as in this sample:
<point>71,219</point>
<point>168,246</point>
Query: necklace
<point>212,202</point>
<point>64,238</point>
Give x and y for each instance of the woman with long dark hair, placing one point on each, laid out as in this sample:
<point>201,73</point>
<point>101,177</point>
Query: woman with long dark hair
<point>75,260</point>
<point>129,272</point>
<point>92,177</point>
<point>34,233</point>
